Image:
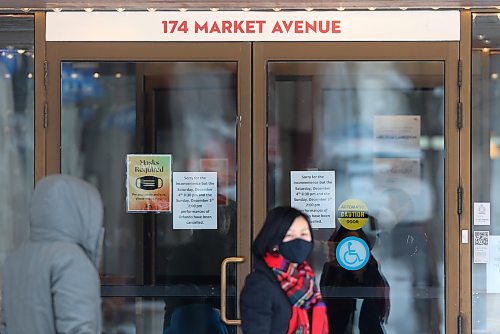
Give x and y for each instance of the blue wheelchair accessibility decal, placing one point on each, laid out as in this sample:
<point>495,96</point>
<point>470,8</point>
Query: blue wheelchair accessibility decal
<point>352,253</point>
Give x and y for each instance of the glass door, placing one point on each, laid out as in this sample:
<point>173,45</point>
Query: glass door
<point>363,138</point>
<point>190,102</point>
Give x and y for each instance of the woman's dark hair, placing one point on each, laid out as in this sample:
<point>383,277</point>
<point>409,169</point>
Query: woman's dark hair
<point>277,223</point>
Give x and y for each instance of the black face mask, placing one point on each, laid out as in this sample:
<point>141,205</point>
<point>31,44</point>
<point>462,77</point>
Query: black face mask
<point>296,250</point>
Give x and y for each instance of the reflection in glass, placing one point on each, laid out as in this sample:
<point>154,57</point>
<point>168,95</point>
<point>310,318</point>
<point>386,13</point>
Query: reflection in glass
<point>380,127</point>
<point>486,167</point>
<point>187,109</point>
<point>16,130</point>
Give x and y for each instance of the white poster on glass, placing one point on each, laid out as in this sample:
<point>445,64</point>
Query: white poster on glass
<point>395,173</point>
<point>396,134</point>
<point>481,246</point>
<point>481,213</point>
<point>194,200</point>
<point>314,193</point>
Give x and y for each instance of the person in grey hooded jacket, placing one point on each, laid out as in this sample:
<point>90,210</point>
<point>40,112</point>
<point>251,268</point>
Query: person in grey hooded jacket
<point>51,284</point>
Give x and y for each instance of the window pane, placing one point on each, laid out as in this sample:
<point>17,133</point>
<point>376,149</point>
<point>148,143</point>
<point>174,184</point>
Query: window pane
<point>380,127</point>
<point>187,109</point>
<point>16,130</point>
<point>486,171</point>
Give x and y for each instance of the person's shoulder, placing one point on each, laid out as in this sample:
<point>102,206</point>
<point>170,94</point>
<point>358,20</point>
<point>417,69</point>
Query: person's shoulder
<point>70,254</point>
<point>261,277</point>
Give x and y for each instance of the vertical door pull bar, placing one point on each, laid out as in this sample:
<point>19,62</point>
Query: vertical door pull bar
<point>223,289</point>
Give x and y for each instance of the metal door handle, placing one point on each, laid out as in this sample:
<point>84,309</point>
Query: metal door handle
<point>223,289</point>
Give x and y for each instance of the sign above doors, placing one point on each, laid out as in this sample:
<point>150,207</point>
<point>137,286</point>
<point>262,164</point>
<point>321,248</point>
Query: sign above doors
<point>254,26</point>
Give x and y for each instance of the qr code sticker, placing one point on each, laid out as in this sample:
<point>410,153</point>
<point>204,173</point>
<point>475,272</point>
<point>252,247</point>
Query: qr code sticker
<point>481,238</point>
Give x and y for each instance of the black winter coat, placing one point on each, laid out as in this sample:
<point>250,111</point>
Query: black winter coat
<point>265,308</point>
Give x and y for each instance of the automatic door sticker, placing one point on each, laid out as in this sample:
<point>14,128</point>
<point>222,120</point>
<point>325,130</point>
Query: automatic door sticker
<point>353,214</point>
<point>352,253</point>
<point>149,182</point>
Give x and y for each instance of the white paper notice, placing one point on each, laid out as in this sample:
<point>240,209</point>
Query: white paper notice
<point>314,193</point>
<point>481,246</point>
<point>481,213</point>
<point>391,173</point>
<point>396,134</point>
<point>195,200</point>
<point>493,266</point>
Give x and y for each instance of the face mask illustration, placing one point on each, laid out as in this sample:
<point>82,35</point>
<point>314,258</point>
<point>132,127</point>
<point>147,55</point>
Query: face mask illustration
<point>149,183</point>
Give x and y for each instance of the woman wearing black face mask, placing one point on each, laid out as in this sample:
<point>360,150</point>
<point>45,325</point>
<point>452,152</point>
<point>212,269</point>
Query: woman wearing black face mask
<point>280,295</point>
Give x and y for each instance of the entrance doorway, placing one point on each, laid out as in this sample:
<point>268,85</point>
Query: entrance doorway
<point>378,115</point>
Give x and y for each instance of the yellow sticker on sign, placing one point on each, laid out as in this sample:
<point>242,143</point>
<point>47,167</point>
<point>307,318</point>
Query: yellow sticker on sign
<point>353,214</point>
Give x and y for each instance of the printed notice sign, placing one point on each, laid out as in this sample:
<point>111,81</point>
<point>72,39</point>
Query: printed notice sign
<point>195,200</point>
<point>397,173</point>
<point>396,134</point>
<point>148,182</point>
<point>221,167</point>
<point>481,246</point>
<point>493,266</point>
<point>481,213</point>
<point>314,193</point>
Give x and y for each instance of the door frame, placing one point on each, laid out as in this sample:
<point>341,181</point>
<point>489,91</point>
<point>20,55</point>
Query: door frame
<point>370,51</point>
<point>240,52</point>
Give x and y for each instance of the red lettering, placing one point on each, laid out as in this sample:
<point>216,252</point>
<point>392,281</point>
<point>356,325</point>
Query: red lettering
<point>277,28</point>
<point>287,26</point>
<point>215,28</point>
<point>336,27</point>
<point>311,26</point>
<point>226,27</point>
<point>165,26</point>
<point>174,24</point>
<point>183,27</point>
<point>261,25</point>
<point>200,28</point>
<point>324,27</point>
<point>299,29</point>
<point>250,28</point>
<point>238,27</point>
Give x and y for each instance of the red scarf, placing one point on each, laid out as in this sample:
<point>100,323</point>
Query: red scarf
<point>298,284</point>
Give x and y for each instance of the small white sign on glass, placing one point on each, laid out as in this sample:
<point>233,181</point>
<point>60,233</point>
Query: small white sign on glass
<point>481,213</point>
<point>396,134</point>
<point>481,246</point>
<point>194,200</point>
<point>314,193</point>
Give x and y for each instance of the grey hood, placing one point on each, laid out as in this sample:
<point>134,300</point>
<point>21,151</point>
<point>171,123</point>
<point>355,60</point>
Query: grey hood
<point>64,208</point>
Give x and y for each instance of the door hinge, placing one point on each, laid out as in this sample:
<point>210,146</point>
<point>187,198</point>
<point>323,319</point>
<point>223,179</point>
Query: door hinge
<point>460,192</point>
<point>45,115</point>
<point>460,115</point>
<point>45,74</point>
<point>460,324</point>
<point>459,76</point>
<point>239,120</point>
